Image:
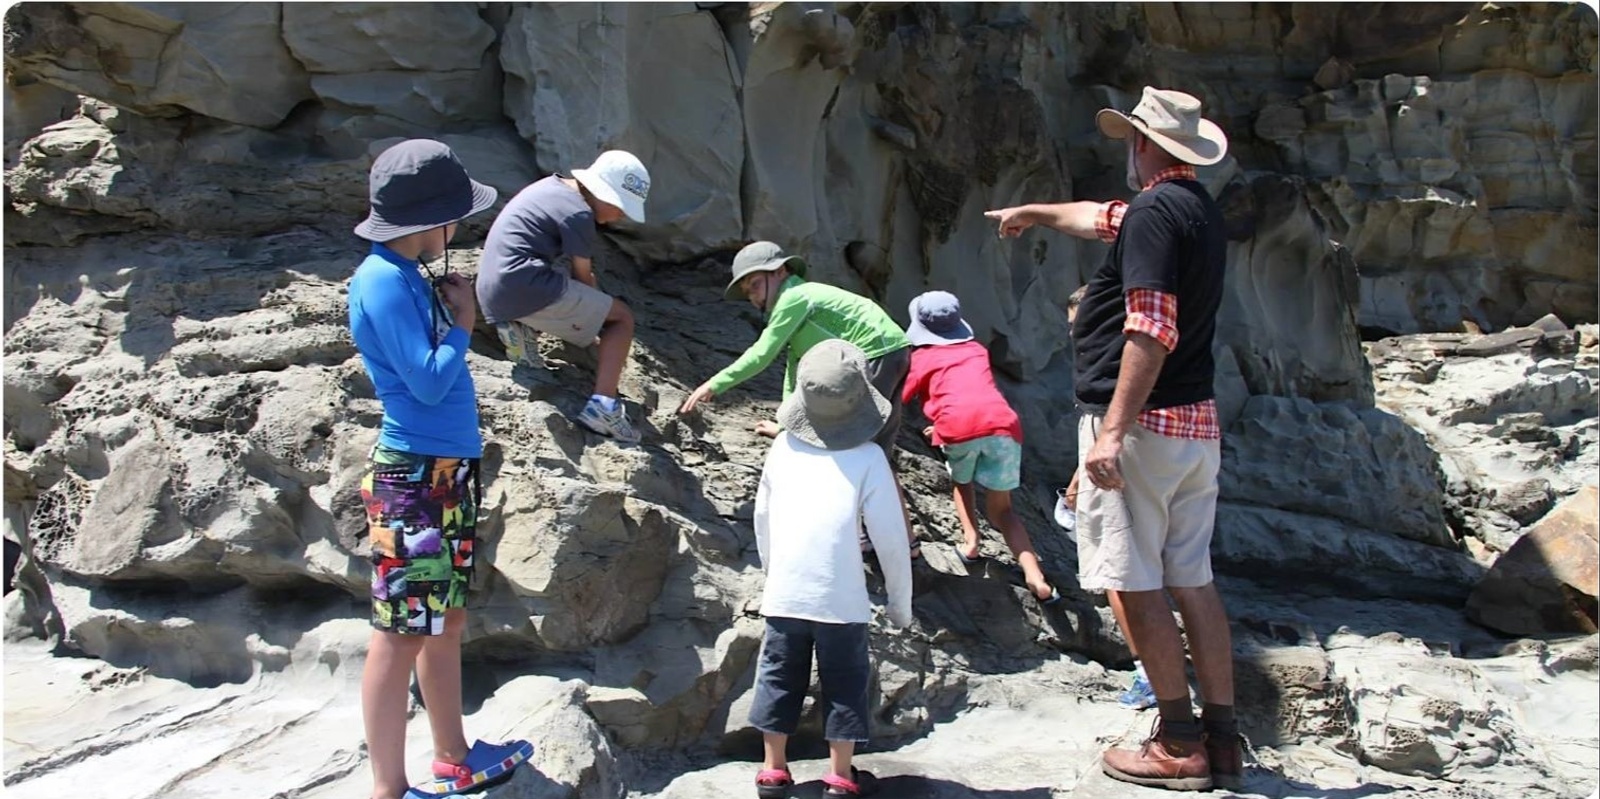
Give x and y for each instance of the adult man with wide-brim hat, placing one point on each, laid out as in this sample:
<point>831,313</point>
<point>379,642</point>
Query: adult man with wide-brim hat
<point>1148,438</point>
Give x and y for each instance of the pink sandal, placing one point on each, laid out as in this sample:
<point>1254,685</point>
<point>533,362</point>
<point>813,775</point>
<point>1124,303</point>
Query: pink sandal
<point>774,783</point>
<point>864,784</point>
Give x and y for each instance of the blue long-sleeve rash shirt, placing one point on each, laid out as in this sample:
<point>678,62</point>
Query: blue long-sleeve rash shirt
<point>417,360</point>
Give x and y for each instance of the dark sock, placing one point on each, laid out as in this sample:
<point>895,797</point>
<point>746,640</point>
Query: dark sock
<point>1177,718</point>
<point>1218,720</point>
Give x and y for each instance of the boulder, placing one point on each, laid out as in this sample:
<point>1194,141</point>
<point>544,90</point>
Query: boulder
<point>1363,466</point>
<point>1547,582</point>
<point>795,62</point>
<point>1417,714</point>
<point>353,38</point>
<point>227,61</point>
<point>590,562</point>
<point>572,757</point>
<point>654,79</point>
<point>421,69</point>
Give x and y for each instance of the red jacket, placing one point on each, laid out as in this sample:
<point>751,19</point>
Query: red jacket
<point>959,393</point>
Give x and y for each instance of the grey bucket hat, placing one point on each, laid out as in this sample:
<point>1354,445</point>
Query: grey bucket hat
<point>834,405</point>
<point>762,256</point>
<point>936,319</point>
<point>418,185</point>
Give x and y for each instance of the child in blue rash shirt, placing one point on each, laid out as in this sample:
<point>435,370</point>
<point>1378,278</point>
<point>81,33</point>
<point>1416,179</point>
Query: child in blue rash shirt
<point>421,494</point>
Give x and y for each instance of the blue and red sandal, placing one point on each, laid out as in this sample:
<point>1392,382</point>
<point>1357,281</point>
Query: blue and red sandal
<point>774,783</point>
<point>486,764</point>
<point>864,784</point>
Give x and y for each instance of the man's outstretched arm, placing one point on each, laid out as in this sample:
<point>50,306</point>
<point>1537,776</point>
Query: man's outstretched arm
<point>1074,218</point>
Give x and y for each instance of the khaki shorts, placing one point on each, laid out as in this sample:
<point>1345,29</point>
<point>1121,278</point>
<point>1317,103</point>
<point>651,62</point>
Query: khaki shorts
<point>575,317</point>
<point>1156,532</point>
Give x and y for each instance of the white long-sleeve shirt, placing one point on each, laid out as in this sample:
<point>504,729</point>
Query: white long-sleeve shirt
<point>809,511</point>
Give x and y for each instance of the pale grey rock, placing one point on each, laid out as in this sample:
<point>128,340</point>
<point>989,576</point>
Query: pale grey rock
<point>1364,466</point>
<point>589,567</point>
<point>655,79</point>
<point>1440,720</point>
<point>572,758</point>
<point>425,99</point>
<point>350,38</point>
<point>791,74</point>
<point>1286,549</point>
<point>1511,419</point>
<point>30,105</point>
<point>222,60</point>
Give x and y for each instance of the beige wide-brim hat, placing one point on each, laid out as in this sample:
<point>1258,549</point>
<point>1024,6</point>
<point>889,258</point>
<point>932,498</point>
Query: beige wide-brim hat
<point>1172,120</point>
<point>834,405</point>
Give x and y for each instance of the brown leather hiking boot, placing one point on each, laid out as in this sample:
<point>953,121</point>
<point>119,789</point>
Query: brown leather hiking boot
<point>1162,762</point>
<point>1226,754</point>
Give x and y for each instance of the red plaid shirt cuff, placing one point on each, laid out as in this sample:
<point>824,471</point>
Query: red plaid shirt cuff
<point>1196,421</point>
<point>1155,314</point>
<point>1108,222</point>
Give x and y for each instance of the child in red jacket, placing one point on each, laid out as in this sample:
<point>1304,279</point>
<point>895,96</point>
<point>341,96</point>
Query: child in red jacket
<point>979,432</point>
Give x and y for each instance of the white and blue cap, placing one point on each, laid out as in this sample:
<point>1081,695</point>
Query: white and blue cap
<point>936,320</point>
<point>618,178</point>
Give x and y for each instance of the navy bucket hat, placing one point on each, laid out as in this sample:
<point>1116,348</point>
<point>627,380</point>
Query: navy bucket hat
<point>418,185</point>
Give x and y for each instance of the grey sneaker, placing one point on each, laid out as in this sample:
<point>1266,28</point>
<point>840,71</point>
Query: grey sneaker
<point>611,424</point>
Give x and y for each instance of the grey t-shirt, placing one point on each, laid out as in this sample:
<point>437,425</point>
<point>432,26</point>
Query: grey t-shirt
<point>516,275</point>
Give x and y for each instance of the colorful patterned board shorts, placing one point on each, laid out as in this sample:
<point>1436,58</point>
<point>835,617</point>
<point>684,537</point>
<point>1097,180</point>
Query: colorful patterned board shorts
<point>995,462</point>
<point>422,514</point>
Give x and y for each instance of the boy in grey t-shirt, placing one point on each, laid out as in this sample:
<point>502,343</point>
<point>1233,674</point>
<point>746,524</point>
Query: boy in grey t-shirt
<point>536,275</point>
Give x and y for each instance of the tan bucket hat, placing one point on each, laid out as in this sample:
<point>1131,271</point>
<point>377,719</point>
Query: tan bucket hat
<point>1172,120</point>
<point>834,405</point>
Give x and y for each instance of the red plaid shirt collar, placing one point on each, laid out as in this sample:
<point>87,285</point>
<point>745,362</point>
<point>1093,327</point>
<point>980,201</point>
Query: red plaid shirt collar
<point>1179,172</point>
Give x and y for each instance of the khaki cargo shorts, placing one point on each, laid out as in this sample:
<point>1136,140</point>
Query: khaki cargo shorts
<point>1156,532</point>
<point>576,317</point>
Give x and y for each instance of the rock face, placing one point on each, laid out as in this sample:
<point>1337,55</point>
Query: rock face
<point>1547,582</point>
<point>223,60</point>
<point>186,419</point>
<point>656,79</point>
<point>1511,414</point>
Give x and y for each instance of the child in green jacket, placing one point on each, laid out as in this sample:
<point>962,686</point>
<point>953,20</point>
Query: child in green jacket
<point>800,315</point>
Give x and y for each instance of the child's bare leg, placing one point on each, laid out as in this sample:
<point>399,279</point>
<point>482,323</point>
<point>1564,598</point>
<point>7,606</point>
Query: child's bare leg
<point>965,500</point>
<point>385,695</point>
<point>840,754</point>
<point>1005,520</point>
<point>1121,615</point>
<point>777,751</point>
<point>439,676</point>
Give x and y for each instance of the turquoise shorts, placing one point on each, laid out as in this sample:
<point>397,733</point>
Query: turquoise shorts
<point>994,462</point>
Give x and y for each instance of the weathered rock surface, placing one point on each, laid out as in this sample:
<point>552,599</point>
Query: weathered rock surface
<point>186,420</point>
<point>655,79</point>
<point>1364,466</point>
<point>1547,582</point>
<point>1511,414</point>
<point>227,61</point>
